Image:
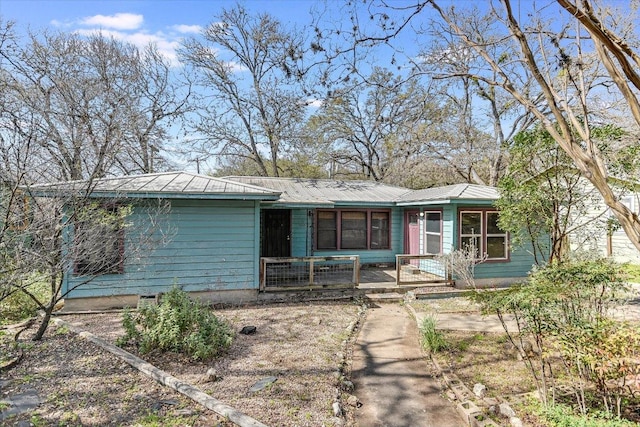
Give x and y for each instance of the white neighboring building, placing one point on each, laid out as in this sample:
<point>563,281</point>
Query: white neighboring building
<point>618,246</point>
<point>594,236</point>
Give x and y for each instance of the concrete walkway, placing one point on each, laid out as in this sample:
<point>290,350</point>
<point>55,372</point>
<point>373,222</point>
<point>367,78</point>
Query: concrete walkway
<point>471,322</point>
<point>392,377</point>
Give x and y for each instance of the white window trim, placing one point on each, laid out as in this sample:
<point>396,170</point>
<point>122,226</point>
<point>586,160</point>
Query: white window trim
<point>431,233</point>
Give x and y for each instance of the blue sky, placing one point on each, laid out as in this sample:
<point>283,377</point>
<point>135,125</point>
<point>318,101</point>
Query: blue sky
<point>163,22</point>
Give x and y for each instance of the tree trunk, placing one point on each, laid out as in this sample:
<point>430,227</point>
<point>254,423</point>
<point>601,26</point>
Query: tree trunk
<point>55,296</point>
<point>44,323</point>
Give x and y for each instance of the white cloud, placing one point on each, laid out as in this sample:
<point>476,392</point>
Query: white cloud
<point>128,27</point>
<point>187,29</point>
<point>119,21</point>
<point>314,102</point>
<point>165,46</point>
<point>235,67</point>
<point>57,23</point>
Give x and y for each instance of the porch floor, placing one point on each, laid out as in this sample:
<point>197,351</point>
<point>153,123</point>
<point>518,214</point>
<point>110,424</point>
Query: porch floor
<point>384,279</point>
<point>377,277</point>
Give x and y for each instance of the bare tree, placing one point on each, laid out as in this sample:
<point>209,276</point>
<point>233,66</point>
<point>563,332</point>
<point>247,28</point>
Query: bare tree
<point>251,105</point>
<point>70,109</point>
<point>564,72</point>
<point>48,232</point>
<point>52,232</point>
<point>477,122</point>
<point>372,129</point>
<point>483,120</point>
<point>556,59</point>
<point>94,105</point>
<point>160,101</point>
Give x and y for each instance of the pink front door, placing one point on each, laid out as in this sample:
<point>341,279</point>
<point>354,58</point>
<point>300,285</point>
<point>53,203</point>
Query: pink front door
<point>412,233</point>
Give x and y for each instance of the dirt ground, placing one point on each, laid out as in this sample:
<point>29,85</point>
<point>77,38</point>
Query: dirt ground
<point>305,346</point>
<point>478,357</point>
<point>491,359</point>
<point>302,345</point>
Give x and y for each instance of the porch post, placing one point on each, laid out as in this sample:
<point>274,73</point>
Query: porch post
<point>311,271</point>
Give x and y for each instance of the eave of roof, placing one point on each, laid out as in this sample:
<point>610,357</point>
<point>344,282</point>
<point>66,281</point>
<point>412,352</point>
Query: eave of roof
<point>172,185</point>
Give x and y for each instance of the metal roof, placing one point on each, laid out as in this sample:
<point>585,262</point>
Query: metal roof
<point>295,191</point>
<point>326,191</point>
<point>167,184</point>
<point>471,192</point>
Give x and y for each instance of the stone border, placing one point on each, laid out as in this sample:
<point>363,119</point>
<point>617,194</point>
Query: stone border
<point>343,374</point>
<point>163,378</point>
<point>466,406</point>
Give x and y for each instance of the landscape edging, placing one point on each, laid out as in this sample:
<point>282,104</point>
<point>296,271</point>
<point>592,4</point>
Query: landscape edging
<point>466,407</point>
<point>164,378</point>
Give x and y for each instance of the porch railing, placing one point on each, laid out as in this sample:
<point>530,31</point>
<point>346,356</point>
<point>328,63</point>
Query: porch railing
<point>328,272</point>
<point>419,269</point>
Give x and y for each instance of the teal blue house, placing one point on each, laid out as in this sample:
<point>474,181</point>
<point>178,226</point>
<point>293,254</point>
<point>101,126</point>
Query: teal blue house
<point>218,229</point>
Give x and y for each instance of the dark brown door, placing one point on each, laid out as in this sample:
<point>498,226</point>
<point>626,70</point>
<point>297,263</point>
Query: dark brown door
<point>275,233</point>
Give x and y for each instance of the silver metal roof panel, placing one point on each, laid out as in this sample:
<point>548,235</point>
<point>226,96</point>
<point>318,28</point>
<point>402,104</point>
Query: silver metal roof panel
<point>324,191</point>
<point>173,183</point>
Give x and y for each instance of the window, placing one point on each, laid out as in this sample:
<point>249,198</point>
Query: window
<point>433,232</point>
<point>479,231</point>
<point>99,240</point>
<point>18,211</point>
<point>497,243</point>
<point>326,230</point>
<point>471,231</point>
<point>352,229</point>
<point>379,230</point>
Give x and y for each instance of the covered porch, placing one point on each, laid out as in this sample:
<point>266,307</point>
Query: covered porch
<point>346,272</point>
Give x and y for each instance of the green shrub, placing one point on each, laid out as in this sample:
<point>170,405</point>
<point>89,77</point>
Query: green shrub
<point>19,306</point>
<point>633,272</point>
<point>565,416</point>
<point>177,324</point>
<point>432,339</point>
<point>564,308</point>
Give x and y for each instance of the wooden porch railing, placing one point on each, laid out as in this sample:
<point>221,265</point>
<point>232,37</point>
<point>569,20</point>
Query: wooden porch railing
<point>309,273</point>
<point>419,269</point>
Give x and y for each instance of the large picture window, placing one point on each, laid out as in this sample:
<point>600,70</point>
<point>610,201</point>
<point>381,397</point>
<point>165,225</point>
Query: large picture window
<point>99,240</point>
<point>479,230</point>
<point>352,229</point>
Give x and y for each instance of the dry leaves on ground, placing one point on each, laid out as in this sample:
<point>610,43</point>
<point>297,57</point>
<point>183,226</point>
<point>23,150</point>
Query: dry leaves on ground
<point>300,344</point>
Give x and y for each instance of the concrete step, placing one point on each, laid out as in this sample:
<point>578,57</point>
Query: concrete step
<point>385,297</point>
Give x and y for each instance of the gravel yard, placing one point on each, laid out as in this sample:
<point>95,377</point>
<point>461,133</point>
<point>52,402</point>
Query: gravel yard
<point>302,345</point>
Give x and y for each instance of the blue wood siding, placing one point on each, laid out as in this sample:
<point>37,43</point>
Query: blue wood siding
<point>520,263</point>
<point>520,259</point>
<point>449,226</point>
<point>213,245</point>
<point>372,256</point>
